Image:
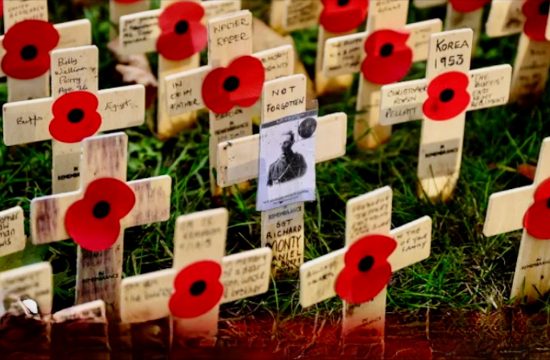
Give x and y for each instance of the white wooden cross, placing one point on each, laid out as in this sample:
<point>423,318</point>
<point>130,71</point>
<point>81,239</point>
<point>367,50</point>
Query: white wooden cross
<point>138,34</point>
<point>119,8</point>
<point>532,61</point>
<point>12,231</point>
<point>441,141</point>
<point>345,54</point>
<point>286,16</point>
<point>99,272</point>
<point>73,69</point>
<point>198,237</point>
<point>505,213</point>
<point>238,160</point>
<point>73,33</point>
<point>368,214</point>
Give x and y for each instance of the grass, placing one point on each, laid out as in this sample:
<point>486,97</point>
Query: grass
<point>465,271</point>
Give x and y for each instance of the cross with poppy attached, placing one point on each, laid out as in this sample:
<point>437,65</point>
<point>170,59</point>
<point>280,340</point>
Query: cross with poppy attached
<point>200,279</point>
<point>530,18</point>
<point>286,16</point>
<point>526,208</point>
<point>383,54</point>
<point>177,33</point>
<point>360,272</point>
<point>441,101</point>
<point>96,215</point>
<point>75,111</point>
<point>26,45</point>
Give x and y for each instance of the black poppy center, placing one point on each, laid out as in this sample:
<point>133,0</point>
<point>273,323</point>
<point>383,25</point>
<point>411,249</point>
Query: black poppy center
<point>386,50</point>
<point>343,2</point>
<point>75,116</point>
<point>366,263</point>
<point>544,8</point>
<point>181,27</point>
<point>101,209</point>
<point>231,83</point>
<point>447,95</point>
<point>548,203</point>
<point>197,288</point>
<point>29,52</point>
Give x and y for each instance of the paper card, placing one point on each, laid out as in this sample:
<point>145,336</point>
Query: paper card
<point>439,158</point>
<point>449,51</point>
<point>287,175</point>
<point>12,231</point>
<point>246,274</point>
<point>490,87</point>
<point>138,32</point>
<point>283,232</point>
<point>200,236</point>
<point>229,37</point>
<point>215,8</point>
<point>414,243</point>
<point>368,214</point>
<point>530,69</point>
<point>300,14</point>
<point>278,62</point>
<point>505,18</point>
<point>19,10</point>
<point>32,282</point>
<point>145,297</point>
<point>318,276</point>
<point>501,217</point>
<point>74,69</point>
<point>184,91</point>
<point>421,4</point>
<point>402,102</point>
<point>93,311</point>
<point>283,97</point>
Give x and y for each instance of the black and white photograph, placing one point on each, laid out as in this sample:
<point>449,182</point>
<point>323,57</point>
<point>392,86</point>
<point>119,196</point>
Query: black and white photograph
<point>287,161</point>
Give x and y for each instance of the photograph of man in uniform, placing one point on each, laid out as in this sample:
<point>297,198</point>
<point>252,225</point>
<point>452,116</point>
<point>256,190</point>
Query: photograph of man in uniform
<point>289,166</point>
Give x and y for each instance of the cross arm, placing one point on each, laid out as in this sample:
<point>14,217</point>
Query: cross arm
<point>505,210</point>
<point>122,107</point>
<point>152,201</point>
<point>413,243</point>
<point>505,18</point>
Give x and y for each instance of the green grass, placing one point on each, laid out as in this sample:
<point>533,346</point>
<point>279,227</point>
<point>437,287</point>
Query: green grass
<point>465,271</point>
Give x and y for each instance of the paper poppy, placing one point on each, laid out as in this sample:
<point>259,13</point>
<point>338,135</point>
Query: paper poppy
<point>182,33</point>
<point>75,117</point>
<point>447,96</point>
<point>536,218</point>
<point>536,18</point>
<point>367,270</point>
<point>238,84</point>
<point>388,59</point>
<point>340,16</point>
<point>465,6</point>
<point>28,44</point>
<point>94,221</point>
<point>197,289</point>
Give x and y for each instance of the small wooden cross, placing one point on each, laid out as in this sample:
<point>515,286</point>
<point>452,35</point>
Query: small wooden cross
<point>118,8</point>
<point>198,237</point>
<point>12,231</point>
<point>73,33</point>
<point>454,90</point>
<point>509,211</point>
<point>345,54</point>
<point>74,70</point>
<point>533,51</point>
<point>138,34</point>
<point>99,269</point>
<point>366,215</point>
<point>286,16</point>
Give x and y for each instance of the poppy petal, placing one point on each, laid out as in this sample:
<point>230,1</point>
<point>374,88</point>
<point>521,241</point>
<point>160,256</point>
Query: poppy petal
<point>465,6</point>
<point>447,96</point>
<point>377,246</point>
<point>213,95</point>
<point>251,74</point>
<point>75,117</point>
<point>175,46</point>
<point>536,218</point>
<point>358,288</point>
<point>180,11</point>
<point>340,16</point>
<point>536,18</point>
<point>120,196</point>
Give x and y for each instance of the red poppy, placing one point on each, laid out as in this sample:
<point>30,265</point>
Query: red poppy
<point>127,1</point>
<point>182,33</point>
<point>367,270</point>
<point>340,16</point>
<point>197,289</point>
<point>28,44</point>
<point>238,84</point>
<point>75,117</point>
<point>94,221</point>
<point>536,18</point>
<point>388,59</point>
<point>447,96</point>
<point>536,218</point>
<point>465,6</point>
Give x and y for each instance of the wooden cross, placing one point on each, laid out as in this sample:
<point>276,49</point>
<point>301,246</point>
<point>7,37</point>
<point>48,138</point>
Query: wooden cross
<point>286,16</point>
<point>73,33</point>
<point>118,8</point>
<point>532,61</point>
<point>506,212</point>
<point>441,139</point>
<point>344,55</point>
<point>138,34</point>
<point>12,231</point>
<point>368,214</point>
<point>198,237</point>
<point>73,70</point>
<point>99,271</point>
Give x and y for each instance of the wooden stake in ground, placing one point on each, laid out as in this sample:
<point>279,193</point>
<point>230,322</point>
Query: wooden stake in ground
<point>96,216</point>
<point>75,111</point>
<point>526,207</point>
<point>12,231</point>
<point>359,273</point>
<point>177,33</point>
<point>200,279</point>
<point>383,54</point>
<point>441,100</point>
<point>530,18</point>
<point>25,47</point>
<point>286,16</point>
